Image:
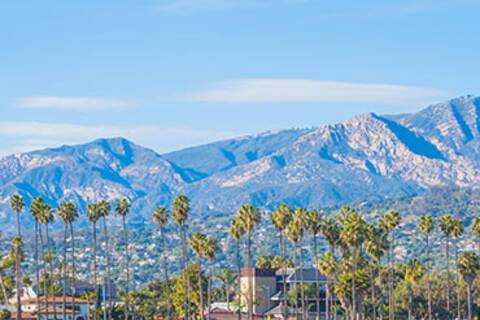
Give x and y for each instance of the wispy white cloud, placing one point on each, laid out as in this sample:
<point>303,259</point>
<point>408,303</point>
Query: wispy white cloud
<point>315,91</point>
<point>70,103</point>
<point>27,136</point>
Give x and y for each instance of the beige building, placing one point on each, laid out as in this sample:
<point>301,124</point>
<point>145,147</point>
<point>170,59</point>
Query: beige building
<point>264,284</point>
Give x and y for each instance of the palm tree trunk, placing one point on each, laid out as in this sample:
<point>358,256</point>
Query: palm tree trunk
<point>200,288</point>
<point>295,278</point>
<point>4,291</point>
<point>354,286</point>
<point>186,277</point>
<point>45,273</point>
<point>429,280</point>
<point>391,307</point>
<point>469,301</point>
<point>109,282</point>
<point>447,255</point>
<point>97,289</point>
<point>37,271</point>
<point>50,258</point>
<point>284,271</point>
<point>327,300</point>
<point>457,276</point>
<point>317,287</point>
<point>410,303</point>
<point>18,274</point>
<point>302,286</point>
<point>74,271</point>
<point>209,290</point>
<point>64,304</point>
<point>165,268</point>
<point>373,296</point>
<point>239,288</point>
<point>250,279</point>
<point>127,270</point>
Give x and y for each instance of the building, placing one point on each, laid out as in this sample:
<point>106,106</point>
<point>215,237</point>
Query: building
<point>268,286</point>
<point>52,308</point>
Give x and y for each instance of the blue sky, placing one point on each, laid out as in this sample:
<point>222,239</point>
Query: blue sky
<point>174,73</point>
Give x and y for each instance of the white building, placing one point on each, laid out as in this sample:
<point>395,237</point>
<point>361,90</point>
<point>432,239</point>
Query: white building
<point>52,308</point>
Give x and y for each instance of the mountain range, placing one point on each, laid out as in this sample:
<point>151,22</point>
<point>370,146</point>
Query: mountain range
<point>369,157</point>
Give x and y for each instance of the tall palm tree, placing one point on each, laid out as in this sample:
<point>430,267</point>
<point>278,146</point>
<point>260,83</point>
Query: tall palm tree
<point>314,224</point>
<point>47,217</point>
<point>469,265</point>
<point>249,217</point>
<point>17,205</point>
<point>122,208</point>
<point>389,222</point>
<point>227,278</point>
<point>160,216</point>
<point>181,211</point>
<point>427,225</point>
<point>67,212</point>
<point>476,230</point>
<point>73,217</point>
<point>376,245</point>
<point>35,209</point>
<point>103,209</point>
<point>93,216</point>
<point>197,243</point>
<point>327,266</point>
<point>331,233</point>
<point>414,272</point>
<point>445,225</point>
<point>236,231</point>
<point>352,236</point>
<point>281,218</point>
<point>210,250</point>
<point>293,233</point>
<point>300,215</point>
<point>457,231</point>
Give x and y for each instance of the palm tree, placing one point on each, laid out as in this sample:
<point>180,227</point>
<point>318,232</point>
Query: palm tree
<point>122,208</point>
<point>67,212</point>
<point>476,230</point>
<point>281,218</point>
<point>469,265</point>
<point>389,222</point>
<point>103,209</point>
<point>352,236</point>
<point>17,205</point>
<point>457,230</point>
<point>300,215</point>
<point>427,226</point>
<point>236,231</point>
<point>331,233</point>
<point>327,266</point>
<point>160,216</point>
<point>93,216</point>
<point>227,278</point>
<point>414,271</point>
<point>46,217</point>
<point>197,243</point>
<point>210,250</point>
<point>35,209</point>
<point>314,224</point>
<point>249,217</point>
<point>293,233</point>
<point>376,245</point>
<point>181,211</point>
<point>445,225</point>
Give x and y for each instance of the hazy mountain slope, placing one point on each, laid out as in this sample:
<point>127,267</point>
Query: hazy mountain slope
<point>369,157</point>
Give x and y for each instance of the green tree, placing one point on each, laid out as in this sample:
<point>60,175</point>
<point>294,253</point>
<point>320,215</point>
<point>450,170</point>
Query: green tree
<point>197,243</point>
<point>93,216</point>
<point>414,271</point>
<point>36,208</point>
<point>103,209</point>
<point>181,212</point>
<point>427,226</point>
<point>17,205</point>
<point>281,218</point>
<point>210,250</point>
<point>314,224</point>
<point>457,231</point>
<point>249,217</point>
<point>469,265</point>
<point>389,222</point>
<point>476,230</point>
<point>227,278</point>
<point>161,216</point>
<point>328,266</point>
<point>446,226</point>
<point>236,231</point>
<point>122,208</point>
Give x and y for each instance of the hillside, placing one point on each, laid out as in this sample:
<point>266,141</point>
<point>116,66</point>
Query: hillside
<point>369,157</point>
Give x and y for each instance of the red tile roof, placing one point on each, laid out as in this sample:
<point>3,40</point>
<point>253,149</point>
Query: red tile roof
<point>54,300</point>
